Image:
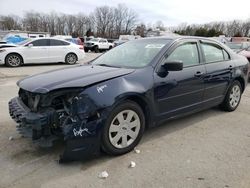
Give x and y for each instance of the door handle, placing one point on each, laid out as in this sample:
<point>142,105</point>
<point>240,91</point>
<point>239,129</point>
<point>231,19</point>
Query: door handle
<point>198,74</point>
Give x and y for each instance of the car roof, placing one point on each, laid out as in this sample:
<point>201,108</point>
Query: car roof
<point>179,38</point>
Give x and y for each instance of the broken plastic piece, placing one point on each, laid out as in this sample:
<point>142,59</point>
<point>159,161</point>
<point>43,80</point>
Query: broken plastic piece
<point>132,164</point>
<point>10,138</point>
<point>103,175</point>
<point>137,151</point>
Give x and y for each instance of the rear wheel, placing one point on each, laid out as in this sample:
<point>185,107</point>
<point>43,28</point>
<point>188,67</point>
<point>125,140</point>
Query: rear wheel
<point>96,49</point>
<point>71,59</point>
<point>13,60</point>
<point>233,96</point>
<point>123,129</point>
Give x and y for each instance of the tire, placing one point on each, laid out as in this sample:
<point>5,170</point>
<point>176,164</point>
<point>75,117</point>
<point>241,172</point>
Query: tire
<point>117,138</point>
<point>110,47</point>
<point>71,59</point>
<point>96,49</point>
<point>13,60</point>
<point>232,98</point>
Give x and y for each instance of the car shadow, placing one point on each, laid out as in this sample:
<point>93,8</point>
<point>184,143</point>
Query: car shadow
<point>174,125</point>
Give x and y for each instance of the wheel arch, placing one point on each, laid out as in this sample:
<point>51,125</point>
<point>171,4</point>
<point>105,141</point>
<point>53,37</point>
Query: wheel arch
<point>16,53</point>
<point>242,82</point>
<point>144,105</point>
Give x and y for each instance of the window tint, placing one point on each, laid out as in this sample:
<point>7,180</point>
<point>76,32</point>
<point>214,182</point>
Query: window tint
<point>212,53</point>
<point>187,53</point>
<point>54,42</point>
<point>102,40</point>
<point>39,42</point>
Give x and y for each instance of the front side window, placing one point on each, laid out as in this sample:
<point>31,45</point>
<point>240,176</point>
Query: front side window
<point>186,53</point>
<point>212,53</point>
<point>39,42</point>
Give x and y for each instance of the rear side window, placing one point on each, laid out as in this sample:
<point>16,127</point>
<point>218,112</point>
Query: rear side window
<point>39,42</point>
<point>54,42</point>
<point>187,53</point>
<point>214,53</point>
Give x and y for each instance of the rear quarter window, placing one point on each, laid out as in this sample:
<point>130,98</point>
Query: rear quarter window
<point>213,53</point>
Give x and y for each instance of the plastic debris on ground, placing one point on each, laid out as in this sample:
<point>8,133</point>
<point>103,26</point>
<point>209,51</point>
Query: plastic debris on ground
<point>137,151</point>
<point>10,138</point>
<point>132,164</point>
<point>103,175</point>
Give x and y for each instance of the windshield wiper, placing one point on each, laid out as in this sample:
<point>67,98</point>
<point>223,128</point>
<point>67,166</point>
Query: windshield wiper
<point>107,65</point>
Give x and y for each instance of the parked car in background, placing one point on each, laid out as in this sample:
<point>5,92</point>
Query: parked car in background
<point>246,53</point>
<point>238,46</point>
<point>125,38</point>
<point>41,50</point>
<point>97,45</point>
<point>107,105</point>
<point>76,41</point>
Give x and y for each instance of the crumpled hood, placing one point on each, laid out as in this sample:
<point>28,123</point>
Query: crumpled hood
<point>78,76</point>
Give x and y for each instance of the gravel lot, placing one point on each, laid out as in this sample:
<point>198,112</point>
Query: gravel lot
<point>208,149</point>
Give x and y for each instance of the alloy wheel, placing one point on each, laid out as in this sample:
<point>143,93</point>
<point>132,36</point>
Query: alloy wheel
<point>234,96</point>
<point>14,60</point>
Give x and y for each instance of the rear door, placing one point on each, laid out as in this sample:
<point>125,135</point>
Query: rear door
<point>219,71</point>
<point>180,91</point>
<point>38,53</point>
<point>57,50</point>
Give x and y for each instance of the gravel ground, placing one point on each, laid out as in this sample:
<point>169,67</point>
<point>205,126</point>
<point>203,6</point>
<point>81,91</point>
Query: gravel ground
<point>207,149</point>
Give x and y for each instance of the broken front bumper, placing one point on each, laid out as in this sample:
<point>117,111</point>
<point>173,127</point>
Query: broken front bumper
<point>30,124</point>
<point>82,140</point>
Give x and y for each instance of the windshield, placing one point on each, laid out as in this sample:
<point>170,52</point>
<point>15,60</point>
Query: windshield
<point>136,53</point>
<point>24,42</point>
<point>94,40</point>
<point>235,45</point>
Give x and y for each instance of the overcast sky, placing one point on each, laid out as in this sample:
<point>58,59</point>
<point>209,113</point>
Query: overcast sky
<point>171,12</point>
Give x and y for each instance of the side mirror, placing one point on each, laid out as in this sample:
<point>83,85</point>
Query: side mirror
<point>30,45</point>
<point>173,65</point>
<point>169,66</point>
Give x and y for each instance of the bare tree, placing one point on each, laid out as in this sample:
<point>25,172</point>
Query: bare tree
<point>10,22</point>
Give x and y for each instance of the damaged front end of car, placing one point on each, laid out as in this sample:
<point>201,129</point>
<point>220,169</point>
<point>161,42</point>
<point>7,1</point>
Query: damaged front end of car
<point>66,114</point>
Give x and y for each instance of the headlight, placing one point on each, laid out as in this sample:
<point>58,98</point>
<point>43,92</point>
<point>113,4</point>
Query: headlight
<point>3,50</point>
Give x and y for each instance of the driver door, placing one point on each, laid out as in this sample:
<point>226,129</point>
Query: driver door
<point>182,91</point>
<point>38,52</point>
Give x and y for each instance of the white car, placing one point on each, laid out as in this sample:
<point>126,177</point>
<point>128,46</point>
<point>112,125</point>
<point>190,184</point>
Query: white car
<point>97,44</point>
<point>41,50</point>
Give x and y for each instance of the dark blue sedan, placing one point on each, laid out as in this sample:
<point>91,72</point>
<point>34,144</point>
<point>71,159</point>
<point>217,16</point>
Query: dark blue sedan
<point>107,104</point>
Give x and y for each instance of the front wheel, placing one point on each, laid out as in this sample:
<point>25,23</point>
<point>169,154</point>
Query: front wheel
<point>123,129</point>
<point>13,60</point>
<point>71,59</point>
<point>96,49</point>
<point>233,96</point>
